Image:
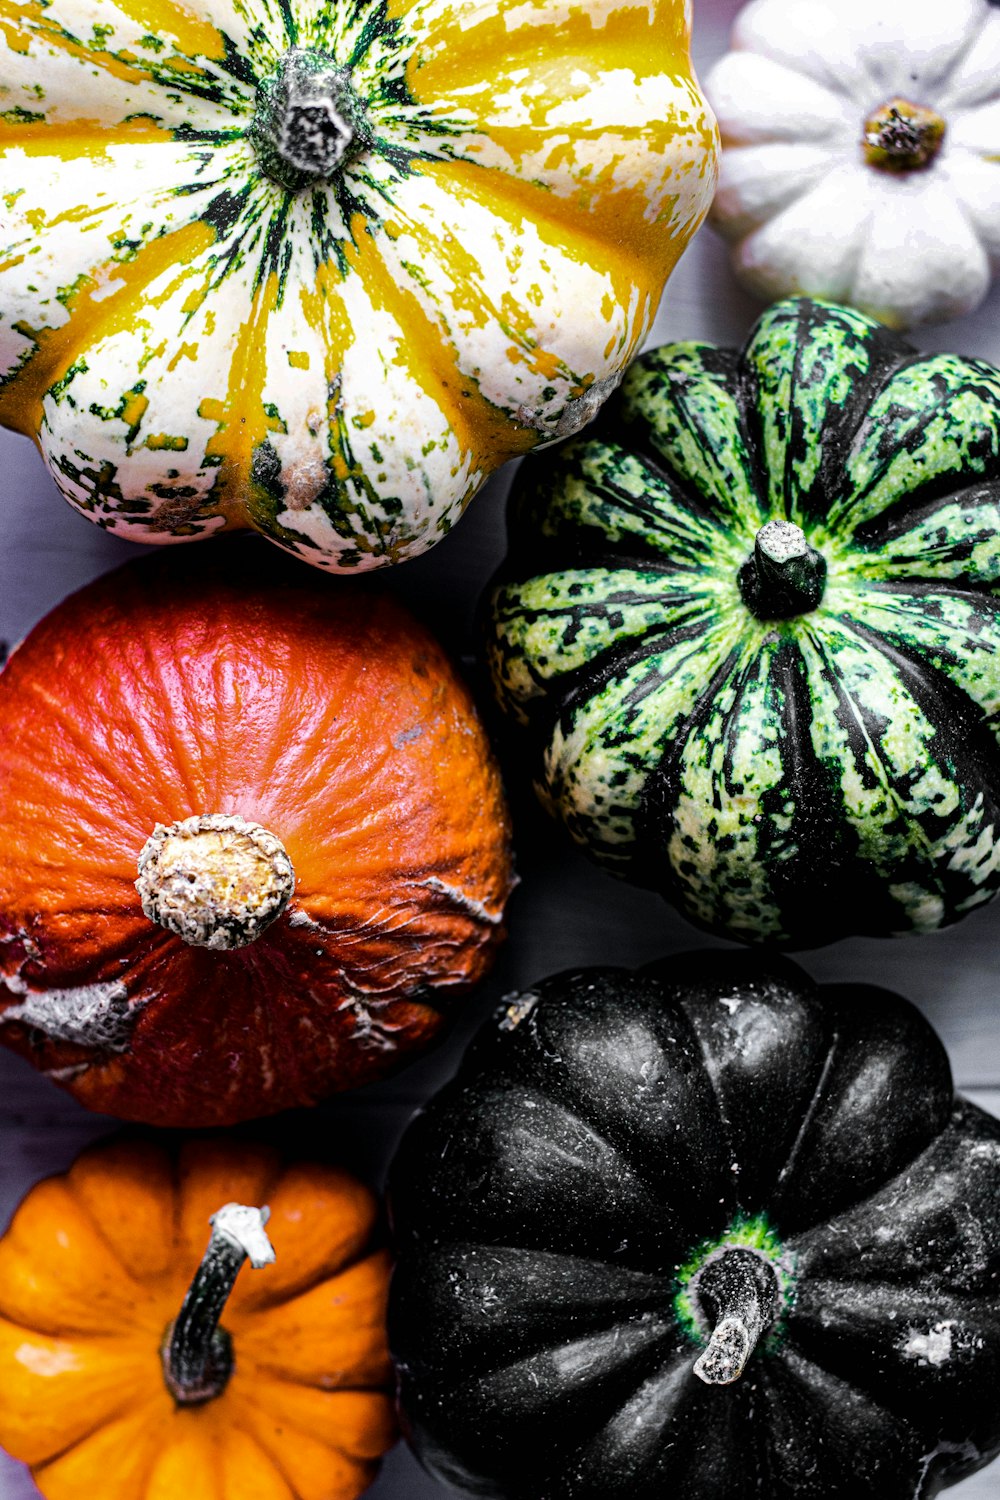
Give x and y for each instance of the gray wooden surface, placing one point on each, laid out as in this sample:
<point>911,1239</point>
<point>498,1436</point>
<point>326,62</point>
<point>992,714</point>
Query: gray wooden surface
<point>565,913</point>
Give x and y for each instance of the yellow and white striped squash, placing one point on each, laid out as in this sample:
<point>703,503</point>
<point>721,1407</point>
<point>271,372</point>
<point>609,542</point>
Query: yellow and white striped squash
<point>319,266</point>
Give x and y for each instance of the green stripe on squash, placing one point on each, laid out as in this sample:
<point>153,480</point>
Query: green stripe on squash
<point>787,758</point>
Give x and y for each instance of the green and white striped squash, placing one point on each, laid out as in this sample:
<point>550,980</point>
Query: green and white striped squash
<point>749,626</point>
<point>318,266</point>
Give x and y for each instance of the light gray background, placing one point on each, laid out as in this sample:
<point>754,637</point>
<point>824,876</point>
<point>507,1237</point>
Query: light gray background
<point>565,913</point>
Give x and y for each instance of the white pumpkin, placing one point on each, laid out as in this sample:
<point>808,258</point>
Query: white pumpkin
<point>318,266</point>
<point>861,152</point>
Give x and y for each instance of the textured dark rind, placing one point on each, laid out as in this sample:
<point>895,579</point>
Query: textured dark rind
<point>607,1128</point>
<point>788,780</point>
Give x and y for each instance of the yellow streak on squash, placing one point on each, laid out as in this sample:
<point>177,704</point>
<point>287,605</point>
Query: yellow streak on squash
<point>633,260</point>
<point>464,51</point>
<point>20,22</point>
<point>481,304</point>
<point>448,75</point>
<point>186,351</point>
<point>617,215</point>
<point>482,430</point>
<point>93,314</point>
<point>78,214</point>
<point>539,361</point>
<point>73,138</point>
<point>134,407</point>
<point>195,37</point>
<point>326,315</point>
<point>16,40</point>
<point>243,424</point>
<point>184,66</point>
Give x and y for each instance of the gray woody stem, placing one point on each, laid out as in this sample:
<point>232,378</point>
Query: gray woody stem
<point>739,1298</point>
<point>198,1356</point>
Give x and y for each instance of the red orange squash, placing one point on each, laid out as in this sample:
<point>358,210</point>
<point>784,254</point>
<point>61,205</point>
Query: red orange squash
<point>97,1338</point>
<point>258,752</point>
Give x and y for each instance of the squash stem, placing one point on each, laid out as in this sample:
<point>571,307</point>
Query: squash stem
<point>739,1297</point>
<point>902,137</point>
<point>784,576</point>
<point>198,1354</point>
<point>217,881</point>
<point>309,121</point>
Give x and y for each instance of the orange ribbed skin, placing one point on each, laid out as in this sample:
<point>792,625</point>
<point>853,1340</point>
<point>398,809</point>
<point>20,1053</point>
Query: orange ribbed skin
<point>323,712</point>
<point>94,1269</point>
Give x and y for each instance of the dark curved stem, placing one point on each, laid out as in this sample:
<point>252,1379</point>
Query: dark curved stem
<point>198,1354</point>
<point>739,1297</point>
<point>785,576</point>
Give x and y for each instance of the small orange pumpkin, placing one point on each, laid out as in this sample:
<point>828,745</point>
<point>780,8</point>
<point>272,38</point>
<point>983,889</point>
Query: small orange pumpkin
<point>93,1272</point>
<point>254,840</point>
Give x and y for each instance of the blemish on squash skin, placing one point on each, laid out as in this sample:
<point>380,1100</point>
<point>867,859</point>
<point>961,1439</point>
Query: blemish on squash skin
<point>931,1348</point>
<point>369,1032</point>
<point>516,1009</point>
<point>301,918</point>
<point>460,899</point>
<point>406,736</point>
<point>305,482</point>
<point>68,1074</point>
<point>47,1361</point>
<point>98,1016</point>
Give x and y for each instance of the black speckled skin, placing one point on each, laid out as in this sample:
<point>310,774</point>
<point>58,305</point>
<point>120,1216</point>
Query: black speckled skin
<point>606,1126</point>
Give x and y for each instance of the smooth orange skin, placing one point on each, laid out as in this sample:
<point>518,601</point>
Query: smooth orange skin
<point>319,709</point>
<point>93,1270</point>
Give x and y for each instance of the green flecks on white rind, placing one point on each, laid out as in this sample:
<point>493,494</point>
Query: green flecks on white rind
<point>806,371</point>
<point>615,495</point>
<point>728,765</point>
<point>692,419</point>
<point>931,420</point>
<point>93,61</point>
<point>852,746</point>
<point>597,763</point>
<point>56,247</point>
<point>562,621</point>
<point>180,341</point>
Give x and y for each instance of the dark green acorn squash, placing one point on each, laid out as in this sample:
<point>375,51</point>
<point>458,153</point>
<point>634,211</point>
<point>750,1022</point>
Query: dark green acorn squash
<point>749,626</point>
<point>701,1232</point>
